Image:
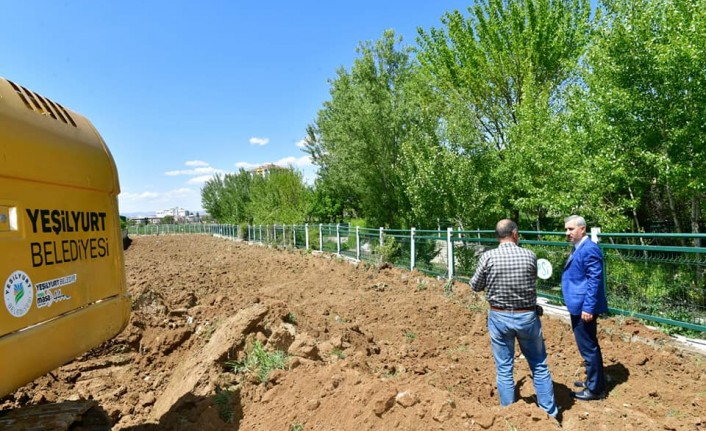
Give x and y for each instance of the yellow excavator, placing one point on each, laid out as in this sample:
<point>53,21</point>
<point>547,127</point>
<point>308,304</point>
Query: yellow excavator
<point>61,251</point>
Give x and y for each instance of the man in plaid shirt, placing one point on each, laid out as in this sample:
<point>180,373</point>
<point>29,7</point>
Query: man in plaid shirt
<point>508,274</point>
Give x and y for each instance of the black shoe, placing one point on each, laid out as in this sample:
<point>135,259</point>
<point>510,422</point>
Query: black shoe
<point>580,384</point>
<point>587,395</point>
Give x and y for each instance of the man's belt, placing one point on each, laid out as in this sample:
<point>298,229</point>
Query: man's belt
<point>513,309</point>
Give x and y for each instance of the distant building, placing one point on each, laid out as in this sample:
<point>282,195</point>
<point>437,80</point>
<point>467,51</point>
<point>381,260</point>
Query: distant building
<point>264,170</point>
<point>145,220</point>
<point>179,215</point>
<point>176,212</point>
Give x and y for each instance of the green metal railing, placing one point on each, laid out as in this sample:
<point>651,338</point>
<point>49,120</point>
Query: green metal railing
<point>656,277</point>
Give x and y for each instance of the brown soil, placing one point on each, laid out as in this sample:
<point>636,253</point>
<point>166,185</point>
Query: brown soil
<point>369,349</point>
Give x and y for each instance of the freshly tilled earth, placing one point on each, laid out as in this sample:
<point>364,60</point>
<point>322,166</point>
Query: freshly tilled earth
<point>365,348</point>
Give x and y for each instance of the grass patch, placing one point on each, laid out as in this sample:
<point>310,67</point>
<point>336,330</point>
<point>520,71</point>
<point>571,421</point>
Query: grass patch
<point>338,352</point>
<point>476,307</point>
<point>224,405</point>
<point>259,360</point>
<point>458,350</point>
<point>410,336</point>
<point>449,288</point>
<point>209,329</point>
<point>291,318</point>
<point>296,427</point>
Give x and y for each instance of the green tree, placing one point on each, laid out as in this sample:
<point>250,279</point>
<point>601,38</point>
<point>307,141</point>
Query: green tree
<point>226,198</point>
<point>360,131</point>
<point>500,70</point>
<point>646,86</point>
<point>331,200</point>
<point>280,196</point>
<point>213,198</point>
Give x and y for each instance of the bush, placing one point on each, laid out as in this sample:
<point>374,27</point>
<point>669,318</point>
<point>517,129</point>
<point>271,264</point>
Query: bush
<point>243,233</point>
<point>389,251</point>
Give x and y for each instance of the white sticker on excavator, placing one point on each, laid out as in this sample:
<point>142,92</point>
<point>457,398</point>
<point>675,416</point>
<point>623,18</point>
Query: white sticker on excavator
<point>49,292</point>
<point>19,293</point>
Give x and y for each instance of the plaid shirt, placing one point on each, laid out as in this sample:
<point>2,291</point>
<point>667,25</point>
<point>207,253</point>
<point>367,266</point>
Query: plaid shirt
<point>508,273</point>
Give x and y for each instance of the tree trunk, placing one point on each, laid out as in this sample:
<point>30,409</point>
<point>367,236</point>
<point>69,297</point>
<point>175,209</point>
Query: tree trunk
<point>636,219</point>
<point>540,213</point>
<point>673,209</point>
<point>695,221</point>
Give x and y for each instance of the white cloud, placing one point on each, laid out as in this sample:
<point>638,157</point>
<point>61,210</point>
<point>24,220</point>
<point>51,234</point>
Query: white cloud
<point>177,193</point>
<point>137,197</point>
<point>196,163</point>
<point>297,162</point>
<point>148,202</point>
<point>259,141</point>
<point>199,180</point>
<point>247,166</point>
<point>286,162</point>
<point>301,143</point>
<point>197,171</point>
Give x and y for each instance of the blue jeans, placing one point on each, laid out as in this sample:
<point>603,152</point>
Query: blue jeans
<point>504,327</point>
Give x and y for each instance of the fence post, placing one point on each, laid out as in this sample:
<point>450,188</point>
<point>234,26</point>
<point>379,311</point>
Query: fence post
<point>306,235</point>
<point>321,237</point>
<point>595,231</point>
<point>338,239</point>
<point>411,251</point>
<point>357,243</point>
<point>450,251</point>
<point>381,236</point>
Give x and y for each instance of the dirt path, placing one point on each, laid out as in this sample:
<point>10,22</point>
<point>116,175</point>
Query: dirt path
<point>369,350</point>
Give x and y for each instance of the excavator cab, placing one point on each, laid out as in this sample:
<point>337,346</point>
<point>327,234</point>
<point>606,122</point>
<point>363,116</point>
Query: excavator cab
<point>61,247</point>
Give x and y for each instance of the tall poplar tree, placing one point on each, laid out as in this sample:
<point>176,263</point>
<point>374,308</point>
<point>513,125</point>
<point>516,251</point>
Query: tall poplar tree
<point>360,129</point>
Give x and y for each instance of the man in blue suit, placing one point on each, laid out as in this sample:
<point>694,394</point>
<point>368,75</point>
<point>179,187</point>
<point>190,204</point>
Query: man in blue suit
<point>585,298</point>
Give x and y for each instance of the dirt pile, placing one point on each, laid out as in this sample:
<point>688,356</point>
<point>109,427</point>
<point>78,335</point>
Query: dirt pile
<point>367,349</point>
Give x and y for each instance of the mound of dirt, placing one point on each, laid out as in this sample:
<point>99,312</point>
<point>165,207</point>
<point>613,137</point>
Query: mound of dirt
<point>366,349</point>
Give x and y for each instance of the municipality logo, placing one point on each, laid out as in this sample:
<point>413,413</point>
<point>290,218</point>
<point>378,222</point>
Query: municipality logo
<point>19,293</point>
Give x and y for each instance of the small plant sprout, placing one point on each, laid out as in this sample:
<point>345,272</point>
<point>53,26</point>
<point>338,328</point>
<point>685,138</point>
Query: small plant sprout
<point>224,405</point>
<point>449,288</point>
<point>338,352</point>
<point>291,318</point>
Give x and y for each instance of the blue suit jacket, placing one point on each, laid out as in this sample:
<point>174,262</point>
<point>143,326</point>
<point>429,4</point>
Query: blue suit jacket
<point>582,280</point>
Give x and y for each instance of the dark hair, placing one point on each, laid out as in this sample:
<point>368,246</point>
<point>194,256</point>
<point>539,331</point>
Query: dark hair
<point>505,227</point>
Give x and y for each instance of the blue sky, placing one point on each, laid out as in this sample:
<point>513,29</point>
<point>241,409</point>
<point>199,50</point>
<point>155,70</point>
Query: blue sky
<point>180,90</point>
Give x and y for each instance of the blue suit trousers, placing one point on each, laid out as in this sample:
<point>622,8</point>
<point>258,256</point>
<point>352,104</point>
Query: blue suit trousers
<point>587,342</point>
